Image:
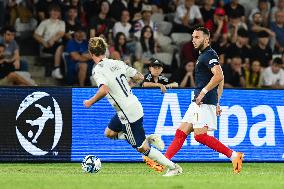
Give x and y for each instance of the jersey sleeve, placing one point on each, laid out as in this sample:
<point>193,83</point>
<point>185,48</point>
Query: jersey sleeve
<point>130,72</point>
<point>99,77</point>
<point>212,59</point>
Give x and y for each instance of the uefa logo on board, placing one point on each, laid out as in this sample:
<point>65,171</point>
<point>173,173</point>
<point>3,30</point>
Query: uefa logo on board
<point>39,123</point>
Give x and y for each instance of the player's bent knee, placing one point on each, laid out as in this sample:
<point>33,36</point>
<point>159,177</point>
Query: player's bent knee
<point>109,133</point>
<point>199,131</point>
<point>187,128</point>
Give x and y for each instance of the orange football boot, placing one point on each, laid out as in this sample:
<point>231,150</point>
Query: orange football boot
<point>152,164</point>
<point>237,162</point>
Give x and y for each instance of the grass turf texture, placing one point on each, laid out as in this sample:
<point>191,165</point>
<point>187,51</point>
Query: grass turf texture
<point>138,175</point>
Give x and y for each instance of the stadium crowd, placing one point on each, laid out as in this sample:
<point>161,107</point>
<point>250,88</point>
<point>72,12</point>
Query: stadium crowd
<point>247,35</point>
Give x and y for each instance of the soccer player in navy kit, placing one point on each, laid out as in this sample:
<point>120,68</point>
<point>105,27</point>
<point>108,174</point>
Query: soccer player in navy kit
<point>201,114</point>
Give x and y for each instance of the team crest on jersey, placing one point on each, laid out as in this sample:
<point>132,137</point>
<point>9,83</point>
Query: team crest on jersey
<point>115,68</point>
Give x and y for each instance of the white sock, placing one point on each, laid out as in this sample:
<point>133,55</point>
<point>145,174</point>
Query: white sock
<point>121,135</point>
<point>157,156</point>
<point>233,156</point>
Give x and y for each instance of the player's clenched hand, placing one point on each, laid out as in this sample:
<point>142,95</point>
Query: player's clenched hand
<point>87,103</point>
<point>218,110</point>
<point>199,98</point>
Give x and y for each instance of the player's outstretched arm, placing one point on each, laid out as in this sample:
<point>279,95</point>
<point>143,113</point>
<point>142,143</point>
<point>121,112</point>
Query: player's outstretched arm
<point>101,93</point>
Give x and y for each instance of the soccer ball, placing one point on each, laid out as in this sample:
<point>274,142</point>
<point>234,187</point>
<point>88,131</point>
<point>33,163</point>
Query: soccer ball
<point>91,164</point>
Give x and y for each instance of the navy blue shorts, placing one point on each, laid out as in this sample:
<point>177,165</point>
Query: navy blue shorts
<point>135,133</point>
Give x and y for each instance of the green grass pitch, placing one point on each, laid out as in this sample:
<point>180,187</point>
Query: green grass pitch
<point>138,175</point>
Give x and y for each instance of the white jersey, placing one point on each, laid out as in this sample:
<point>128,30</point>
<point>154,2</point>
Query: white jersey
<point>114,74</point>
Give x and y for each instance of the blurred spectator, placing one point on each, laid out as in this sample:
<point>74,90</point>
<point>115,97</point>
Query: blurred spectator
<point>155,79</point>
<point>8,76</point>
<point>72,3</point>
<point>12,48</point>
<point>258,26</point>
<point>164,6</point>
<point>218,25</point>
<point>262,52</point>
<point>135,8</point>
<point>123,25</point>
<point>21,16</point>
<point>234,9</point>
<point>248,5</point>
<point>2,15</point>
<point>13,12</point>
<point>234,75</point>
<point>185,75</point>
<point>101,24</point>
<point>282,58</point>
<point>178,2</point>
<point>279,7</point>
<point>207,10</point>
<point>71,23</point>
<point>221,3</point>
<point>187,15</point>
<point>79,61</point>
<point>173,4</point>
<point>119,51</point>
<point>116,8</point>
<point>43,8</point>
<point>49,34</point>
<point>81,15</point>
<point>188,53</point>
<point>264,9</point>
<point>25,23</point>
<point>278,28</point>
<point>273,76</point>
<point>145,48</point>
<point>6,65</point>
<point>240,48</point>
<point>91,9</point>
<point>253,74</point>
<point>145,21</point>
<point>235,23</point>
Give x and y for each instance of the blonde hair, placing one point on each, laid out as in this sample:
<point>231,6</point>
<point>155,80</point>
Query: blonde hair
<point>97,46</point>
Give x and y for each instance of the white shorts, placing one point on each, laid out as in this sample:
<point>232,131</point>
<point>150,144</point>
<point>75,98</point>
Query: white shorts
<point>200,116</point>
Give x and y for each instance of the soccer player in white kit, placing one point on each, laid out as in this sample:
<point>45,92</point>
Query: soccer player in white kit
<point>112,79</point>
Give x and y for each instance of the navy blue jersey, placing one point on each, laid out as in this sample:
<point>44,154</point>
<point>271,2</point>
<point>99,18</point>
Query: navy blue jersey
<point>207,59</point>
